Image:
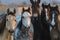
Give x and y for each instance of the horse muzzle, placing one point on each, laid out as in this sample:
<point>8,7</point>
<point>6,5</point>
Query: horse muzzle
<point>11,31</point>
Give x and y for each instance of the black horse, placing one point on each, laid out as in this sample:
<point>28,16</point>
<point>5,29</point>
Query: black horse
<point>2,22</point>
<point>44,20</point>
<point>36,19</point>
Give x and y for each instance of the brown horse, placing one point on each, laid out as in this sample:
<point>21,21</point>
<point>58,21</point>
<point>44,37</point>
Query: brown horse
<point>11,18</point>
<point>11,22</point>
<point>36,19</point>
<point>35,6</point>
<point>45,34</point>
<point>55,24</point>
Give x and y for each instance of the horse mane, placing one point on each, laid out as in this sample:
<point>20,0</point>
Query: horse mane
<point>20,24</point>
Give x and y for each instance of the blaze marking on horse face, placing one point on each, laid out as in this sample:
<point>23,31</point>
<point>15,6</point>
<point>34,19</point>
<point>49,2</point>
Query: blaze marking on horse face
<point>53,22</point>
<point>46,14</point>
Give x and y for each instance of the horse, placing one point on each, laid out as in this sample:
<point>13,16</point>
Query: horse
<point>35,6</point>
<point>54,22</point>
<point>45,34</point>
<point>2,22</point>
<point>3,31</point>
<point>10,22</point>
<point>24,29</point>
<point>36,19</point>
<point>59,26</point>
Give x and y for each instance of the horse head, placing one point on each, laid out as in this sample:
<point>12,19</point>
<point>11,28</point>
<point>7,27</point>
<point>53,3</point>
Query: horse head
<point>25,18</point>
<point>54,15</point>
<point>46,11</point>
<point>35,6</point>
<point>11,20</point>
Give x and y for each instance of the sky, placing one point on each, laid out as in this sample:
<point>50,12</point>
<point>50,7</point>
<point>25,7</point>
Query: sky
<point>27,1</point>
<point>14,1</point>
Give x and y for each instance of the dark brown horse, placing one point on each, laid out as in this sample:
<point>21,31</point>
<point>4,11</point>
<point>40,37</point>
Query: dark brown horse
<point>2,22</point>
<point>35,6</point>
<point>36,19</point>
<point>44,20</point>
<point>54,12</point>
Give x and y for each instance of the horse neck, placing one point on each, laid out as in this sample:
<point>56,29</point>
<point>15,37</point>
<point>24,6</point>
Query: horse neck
<point>23,22</point>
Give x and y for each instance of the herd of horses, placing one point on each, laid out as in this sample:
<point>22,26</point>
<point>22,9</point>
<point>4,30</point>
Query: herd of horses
<point>35,25</point>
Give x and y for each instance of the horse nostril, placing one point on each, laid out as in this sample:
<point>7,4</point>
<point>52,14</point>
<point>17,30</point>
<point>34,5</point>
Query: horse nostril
<point>10,31</point>
<point>15,20</point>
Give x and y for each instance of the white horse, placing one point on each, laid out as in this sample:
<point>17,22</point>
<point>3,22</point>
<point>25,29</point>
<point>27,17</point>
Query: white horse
<point>24,29</point>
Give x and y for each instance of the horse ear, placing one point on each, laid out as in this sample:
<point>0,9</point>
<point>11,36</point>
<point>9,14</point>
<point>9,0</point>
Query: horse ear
<point>29,8</point>
<point>8,10</point>
<point>38,1</point>
<point>31,1</point>
<point>49,4</point>
<point>56,6</point>
<point>23,9</point>
<point>14,10</point>
<point>42,5</point>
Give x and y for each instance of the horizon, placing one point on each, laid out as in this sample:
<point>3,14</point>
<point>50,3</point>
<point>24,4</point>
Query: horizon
<point>27,1</point>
